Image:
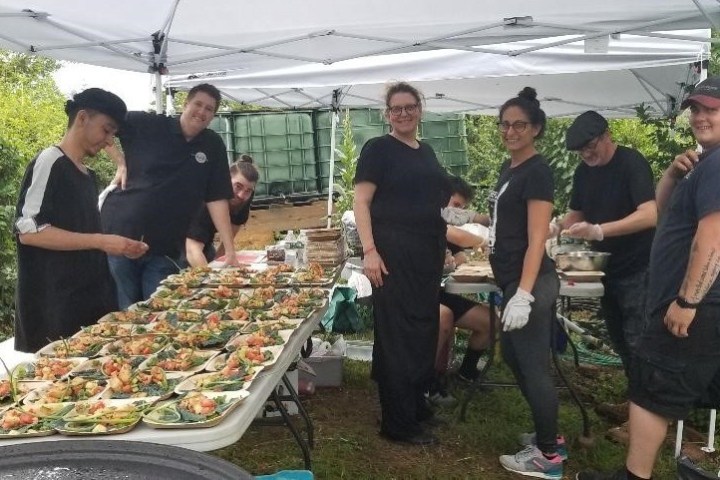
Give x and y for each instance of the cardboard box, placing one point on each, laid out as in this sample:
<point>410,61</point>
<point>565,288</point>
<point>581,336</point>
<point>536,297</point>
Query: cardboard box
<point>328,370</point>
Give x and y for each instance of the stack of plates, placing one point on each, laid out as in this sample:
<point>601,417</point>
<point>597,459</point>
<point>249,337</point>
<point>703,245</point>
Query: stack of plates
<point>325,246</point>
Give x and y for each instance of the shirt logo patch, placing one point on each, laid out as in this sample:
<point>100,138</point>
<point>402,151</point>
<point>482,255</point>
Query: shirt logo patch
<point>200,157</point>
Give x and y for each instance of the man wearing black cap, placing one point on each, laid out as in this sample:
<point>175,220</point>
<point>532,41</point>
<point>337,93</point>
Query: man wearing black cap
<point>677,361</point>
<point>613,206</point>
<point>63,277</point>
<point>168,168</point>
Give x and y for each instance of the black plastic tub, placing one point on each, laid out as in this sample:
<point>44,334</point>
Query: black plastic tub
<point>111,460</point>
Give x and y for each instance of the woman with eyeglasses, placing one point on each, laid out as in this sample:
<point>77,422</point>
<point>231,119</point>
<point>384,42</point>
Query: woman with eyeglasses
<point>398,197</point>
<point>520,210</point>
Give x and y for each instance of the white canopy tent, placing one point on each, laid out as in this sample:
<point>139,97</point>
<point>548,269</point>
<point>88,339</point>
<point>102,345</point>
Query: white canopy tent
<point>631,70</point>
<point>189,36</point>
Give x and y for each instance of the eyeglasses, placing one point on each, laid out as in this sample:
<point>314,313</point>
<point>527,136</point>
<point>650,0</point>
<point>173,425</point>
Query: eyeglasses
<point>519,126</point>
<point>590,146</point>
<point>396,111</point>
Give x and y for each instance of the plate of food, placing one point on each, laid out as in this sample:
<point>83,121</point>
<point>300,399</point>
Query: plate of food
<point>264,337</point>
<point>111,329</point>
<point>136,317</point>
<point>155,304</point>
<point>103,417</point>
<point>46,368</point>
<point>106,366</point>
<point>194,410</point>
<point>192,278</point>
<point>237,314</point>
<point>73,389</point>
<point>227,379</point>
<point>136,345</point>
<point>32,420</point>
<point>153,382</point>
<point>244,357</point>
<point>188,360</point>
<point>82,346</point>
<point>283,324</point>
<point>182,316</point>
<point>12,391</point>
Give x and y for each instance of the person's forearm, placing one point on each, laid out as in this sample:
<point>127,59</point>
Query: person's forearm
<point>364,224</point>
<point>482,219</point>
<point>539,213</point>
<point>461,238</point>
<point>53,238</point>
<point>704,262</point>
<point>194,253</point>
<point>531,265</point>
<point>220,214</point>
<point>643,218</point>
<point>664,189</point>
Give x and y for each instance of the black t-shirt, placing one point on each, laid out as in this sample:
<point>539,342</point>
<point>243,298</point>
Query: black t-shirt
<point>531,180</point>
<point>168,178</point>
<point>58,291</point>
<point>202,228</point>
<point>454,249</point>
<point>611,192</point>
<point>410,184</point>
<point>695,196</point>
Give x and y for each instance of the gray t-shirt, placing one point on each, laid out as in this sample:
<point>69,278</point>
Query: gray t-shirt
<point>695,196</point>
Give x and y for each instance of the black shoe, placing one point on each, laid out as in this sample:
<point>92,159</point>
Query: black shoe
<point>592,475</point>
<point>422,439</point>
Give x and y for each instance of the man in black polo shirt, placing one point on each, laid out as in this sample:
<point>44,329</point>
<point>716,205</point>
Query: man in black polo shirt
<point>199,248</point>
<point>613,206</point>
<point>172,165</point>
<point>63,278</point>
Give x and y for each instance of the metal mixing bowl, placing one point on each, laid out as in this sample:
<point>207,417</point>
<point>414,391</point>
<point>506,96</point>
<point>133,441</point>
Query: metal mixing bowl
<point>585,261</point>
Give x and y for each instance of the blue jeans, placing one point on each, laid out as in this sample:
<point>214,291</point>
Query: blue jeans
<point>136,280</point>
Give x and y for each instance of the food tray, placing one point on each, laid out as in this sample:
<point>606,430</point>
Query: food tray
<point>207,355</point>
<point>49,350</point>
<point>47,425</point>
<point>28,367</point>
<point>233,398</point>
<point>134,416</point>
<point>218,362</point>
<point>241,339</point>
<point>582,277</point>
<point>191,383</point>
<point>93,367</point>
<point>35,396</point>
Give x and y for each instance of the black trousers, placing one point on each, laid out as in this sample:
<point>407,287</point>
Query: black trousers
<point>406,320</point>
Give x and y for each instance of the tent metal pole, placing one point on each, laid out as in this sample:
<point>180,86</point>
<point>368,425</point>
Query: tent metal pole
<point>709,17</point>
<point>159,104</point>
<point>331,174</point>
<point>644,83</point>
<point>99,43</point>
<point>631,29</point>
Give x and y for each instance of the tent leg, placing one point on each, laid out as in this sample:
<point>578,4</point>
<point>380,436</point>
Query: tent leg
<point>331,174</point>
<point>159,104</point>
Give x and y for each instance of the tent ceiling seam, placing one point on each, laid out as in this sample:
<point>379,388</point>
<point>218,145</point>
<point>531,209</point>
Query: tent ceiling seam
<point>646,84</point>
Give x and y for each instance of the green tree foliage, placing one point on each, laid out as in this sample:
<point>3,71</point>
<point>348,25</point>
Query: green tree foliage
<point>31,118</point>
<point>345,164</point>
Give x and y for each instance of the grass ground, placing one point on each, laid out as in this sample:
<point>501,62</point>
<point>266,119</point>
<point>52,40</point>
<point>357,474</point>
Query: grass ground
<point>348,446</point>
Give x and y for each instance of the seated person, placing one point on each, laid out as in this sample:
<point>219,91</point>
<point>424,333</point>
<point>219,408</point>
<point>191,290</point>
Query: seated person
<point>199,249</point>
<point>456,310</point>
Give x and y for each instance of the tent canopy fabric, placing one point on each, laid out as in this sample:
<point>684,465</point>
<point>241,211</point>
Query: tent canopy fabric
<point>631,70</point>
<point>189,36</point>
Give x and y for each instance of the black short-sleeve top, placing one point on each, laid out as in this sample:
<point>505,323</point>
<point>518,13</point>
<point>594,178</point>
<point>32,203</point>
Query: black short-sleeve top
<point>410,184</point>
<point>168,178</point>
<point>531,180</point>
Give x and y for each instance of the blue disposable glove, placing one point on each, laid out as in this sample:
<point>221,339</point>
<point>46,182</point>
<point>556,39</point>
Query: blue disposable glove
<point>517,311</point>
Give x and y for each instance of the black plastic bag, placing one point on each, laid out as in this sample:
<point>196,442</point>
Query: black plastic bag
<point>687,470</point>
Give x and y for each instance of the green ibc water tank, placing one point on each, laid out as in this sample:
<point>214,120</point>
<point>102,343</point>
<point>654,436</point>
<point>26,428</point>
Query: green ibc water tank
<point>283,147</point>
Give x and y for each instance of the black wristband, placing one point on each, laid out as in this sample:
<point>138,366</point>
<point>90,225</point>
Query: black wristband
<point>682,303</point>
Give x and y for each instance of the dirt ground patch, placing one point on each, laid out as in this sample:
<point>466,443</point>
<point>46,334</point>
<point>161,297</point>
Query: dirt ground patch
<point>263,223</point>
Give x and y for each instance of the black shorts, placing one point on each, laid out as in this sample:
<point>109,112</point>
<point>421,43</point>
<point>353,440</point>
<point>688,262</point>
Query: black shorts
<point>669,375</point>
<point>457,304</point>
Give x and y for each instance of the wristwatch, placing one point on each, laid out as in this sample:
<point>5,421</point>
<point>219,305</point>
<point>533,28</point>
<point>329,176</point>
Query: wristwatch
<point>682,303</point>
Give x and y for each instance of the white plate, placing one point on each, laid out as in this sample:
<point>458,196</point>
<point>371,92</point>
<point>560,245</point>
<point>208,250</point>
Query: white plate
<point>236,397</point>
<point>241,339</point>
<point>193,382</point>
<point>175,377</point>
<point>95,364</point>
<point>72,362</point>
<point>208,355</point>
<point>219,361</point>
<point>49,350</point>
<point>73,416</point>
<point>35,397</point>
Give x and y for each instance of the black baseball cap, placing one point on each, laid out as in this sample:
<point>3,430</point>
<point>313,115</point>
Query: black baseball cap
<point>587,126</point>
<point>706,93</point>
<point>101,101</point>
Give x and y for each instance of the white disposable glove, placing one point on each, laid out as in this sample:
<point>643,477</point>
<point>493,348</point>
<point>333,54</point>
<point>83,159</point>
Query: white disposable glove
<point>586,231</point>
<point>517,311</point>
<point>457,216</point>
